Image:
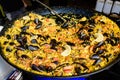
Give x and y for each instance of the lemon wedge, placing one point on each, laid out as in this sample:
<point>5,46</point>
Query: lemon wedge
<point>100,37</point>
<point>67,50</point>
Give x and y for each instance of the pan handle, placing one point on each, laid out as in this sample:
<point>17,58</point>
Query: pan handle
<point>51,10</point>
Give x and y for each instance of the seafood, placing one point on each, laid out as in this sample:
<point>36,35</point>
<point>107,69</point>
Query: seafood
<point>45,45</point>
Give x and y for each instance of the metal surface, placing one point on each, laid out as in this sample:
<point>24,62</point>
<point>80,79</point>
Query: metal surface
<point>5,69</point>
<point>67,10</point>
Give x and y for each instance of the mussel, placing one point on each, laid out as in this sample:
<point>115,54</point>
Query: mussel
<point>24,28</point>
<point>100,51</point>
<point>105,34</point>
<point>70,43</point>
<point>8,49</point>
<point>44,37</point>
<point>77,70</point>
<point>41,67</point>
<point>91,26</point>
<point>20,48</point>
<point>83,36</point>
<point>8,36</point>
<point>22,40</point>
<point>33,48</point>
<point>65,25</point>
<point>38,22</point>
<point>33,41</point>
<point>91,21</point>
<point>59,21</point>
<point>55,62</point>
<point>49,68</point>
<point>11,43</point>
<point>97,62</point>
<point>38,26</point>
<point>90,30</point>
<point>34,67</point>
<point>54,43</point>
<point>84,66</point>
<point>24,56</point>
<point>106,57</point>
<point>83,22</point>
<point>5,42</point>
<point>113,40</point>
<point>95,57</point>
<point>100,44</point>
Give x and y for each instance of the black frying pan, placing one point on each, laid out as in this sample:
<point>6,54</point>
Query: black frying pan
<point>67,10</point>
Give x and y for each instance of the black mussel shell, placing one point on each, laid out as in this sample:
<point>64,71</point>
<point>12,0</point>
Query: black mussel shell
<point>65,25</point>
<point>33,41</point>
<point>59,21</point>
<point>70,43</point>
<point>95,57</point>
<point>41,67</point>
<point>33,48</point>
<point>90,30</point>
<point>20,48</point>
<point>37,21</point>
<point>105,34</point>
<point>77,70</point>
<point>34,67</point>
<point>24,56</point>
<point>100,44</point>
<point>5,42</point>
<point>100,51</point>
<point>8,49</point>
<point>97,61</point>
<point>11,43</point>
<point>8,36</point>
<point>38,26</point>
<point>84,66</point>
<point>24,28</point>
<point>55,62</point>
<point>48,68</point>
